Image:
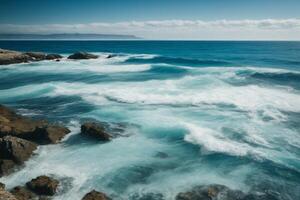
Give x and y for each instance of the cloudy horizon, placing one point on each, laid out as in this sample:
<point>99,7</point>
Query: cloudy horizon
<point>280,29</point>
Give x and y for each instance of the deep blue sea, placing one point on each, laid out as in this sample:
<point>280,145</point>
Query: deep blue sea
<point>185,113</point>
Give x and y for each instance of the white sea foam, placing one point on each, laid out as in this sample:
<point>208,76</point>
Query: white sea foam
<point>213,141</point>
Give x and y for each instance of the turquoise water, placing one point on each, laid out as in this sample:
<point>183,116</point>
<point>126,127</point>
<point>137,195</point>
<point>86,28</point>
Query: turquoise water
<point>185,113</point>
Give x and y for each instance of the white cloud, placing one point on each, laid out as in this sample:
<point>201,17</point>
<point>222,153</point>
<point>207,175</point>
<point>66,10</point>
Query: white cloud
<point>176,29</point>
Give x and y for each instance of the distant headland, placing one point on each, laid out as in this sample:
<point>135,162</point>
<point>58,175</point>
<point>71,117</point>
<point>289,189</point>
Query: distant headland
<point>67,36</point>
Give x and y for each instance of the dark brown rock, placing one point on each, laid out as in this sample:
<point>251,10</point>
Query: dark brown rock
<point>82,55</point>
<point>43,185</point>
<point>4,195</point>
<point>12,57</point>
<point>53,56</point>
<point>38,131</point>
<point>22,193</point>
<point>6,167</point>
<point>2,186</point>
<point>95,130</point>
<point>50,134</point>
<point>95,195</point>
<point>16,149</point>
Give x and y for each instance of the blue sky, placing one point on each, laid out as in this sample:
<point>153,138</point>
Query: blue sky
<point>99,16</point>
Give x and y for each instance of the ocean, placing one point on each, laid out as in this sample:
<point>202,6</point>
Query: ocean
<point>185,113</point>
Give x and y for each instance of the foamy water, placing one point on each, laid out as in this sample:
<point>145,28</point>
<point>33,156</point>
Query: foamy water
<point>217,125</point>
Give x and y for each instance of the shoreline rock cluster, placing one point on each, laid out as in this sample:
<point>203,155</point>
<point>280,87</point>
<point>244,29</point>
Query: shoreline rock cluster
<point>20,137</point>
<point>13,57</point>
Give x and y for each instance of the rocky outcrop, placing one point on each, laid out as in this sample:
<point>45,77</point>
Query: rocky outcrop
<point>20,135</point>
<point>95,130</point>
<point>36,56</point>
<point>82,55</point>
<point>38,131</point>
<point>12,57</point>
<point>16,149</point>
<point>53,56</point>
<point>43,185</point>
<point>95,195</point>
<point>22,193</point>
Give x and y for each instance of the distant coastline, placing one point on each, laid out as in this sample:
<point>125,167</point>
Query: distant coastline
<point>67,36</point>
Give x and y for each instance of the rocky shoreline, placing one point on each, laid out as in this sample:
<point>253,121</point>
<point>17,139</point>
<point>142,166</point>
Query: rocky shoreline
<point>20,136</point>
<point>13,57</point>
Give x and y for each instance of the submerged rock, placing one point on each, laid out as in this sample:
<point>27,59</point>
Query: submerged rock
<point>95,195</point>
<point>43,185</point>
<point>38,131</point>
<point>22,193</point>
<point>82,55</point>
<point>95,130</point>
<point>211,192</point>
<point>16,149</point>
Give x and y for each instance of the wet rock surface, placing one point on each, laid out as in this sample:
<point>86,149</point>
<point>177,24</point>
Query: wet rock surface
<point>82,55</point>
<point>38,131</point>
<point>95,130</point>
<point>16,149</point>
<point>95,195</point>
<point>43,185</point>
<point>20,135</point>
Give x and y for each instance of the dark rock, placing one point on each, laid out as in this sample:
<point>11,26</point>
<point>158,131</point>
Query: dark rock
<point>95,195</point>
<point>53,56</point>
<point>38,131</point>
<point>22,193</point>
<point>211,192</point>
<point>2,186</point>
<point>49,134</point>
<point>82,55</point>
<point>111,56</point>
<point>57,60</point>
<point>36,56</point>
<point>16,149</point>
<point>6,167</point>
<point>95,130</point>
<point>43,185</point>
